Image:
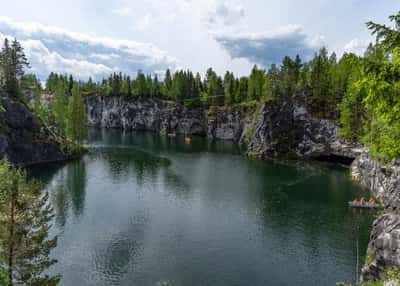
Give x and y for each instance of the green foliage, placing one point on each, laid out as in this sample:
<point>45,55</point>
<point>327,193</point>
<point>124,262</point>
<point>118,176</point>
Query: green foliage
<point>140,87</point>
<point>25,215</point>
<point>391,274</point>
<point>320,81</point>
<point>229,88</point>
<point>76,125</point>
<point>12,64</point>
<point>42,111</point>
<point>381,81</point>
<point>241,90</point>
<point>3,277</point>
<point>255,84</point>
<point>352,110</point>
<point>60,105</point>
<point>214,90</point>
<point>371,105</point>
<point>388,37</point>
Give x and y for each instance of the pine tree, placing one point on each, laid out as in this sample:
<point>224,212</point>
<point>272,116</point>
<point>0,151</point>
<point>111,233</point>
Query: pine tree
<point>12,66</point>
<point>76,125</point>
<point>25,216</point>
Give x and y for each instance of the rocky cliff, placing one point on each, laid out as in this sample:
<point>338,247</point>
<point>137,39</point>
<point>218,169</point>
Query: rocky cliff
<point>163,117</point>
<point>24,140</point>
<point>384,183</point>
<point>289,130</point>
<point>274,130</point>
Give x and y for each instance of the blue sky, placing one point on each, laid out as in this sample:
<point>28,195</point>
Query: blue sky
<point>95,38</point>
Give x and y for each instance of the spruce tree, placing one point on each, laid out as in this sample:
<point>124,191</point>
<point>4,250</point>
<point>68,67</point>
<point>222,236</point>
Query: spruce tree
<point>12,66</point>
<point>25,216</point>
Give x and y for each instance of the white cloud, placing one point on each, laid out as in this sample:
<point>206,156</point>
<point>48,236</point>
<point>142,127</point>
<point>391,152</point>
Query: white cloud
<point>269,47</point>
<point>55,49</point>
<point>356,46</point>
<point>44,61</point>
<point>123,11</point>
<point>225,12</point>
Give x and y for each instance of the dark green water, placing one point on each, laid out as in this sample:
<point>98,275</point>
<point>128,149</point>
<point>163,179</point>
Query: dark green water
<point>141,209</point>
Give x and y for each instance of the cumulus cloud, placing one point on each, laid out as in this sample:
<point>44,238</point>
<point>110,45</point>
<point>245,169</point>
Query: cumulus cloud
<point>225,12</point>
<point>269,47</point>
<point>356,46</point>
<point>54,49</point>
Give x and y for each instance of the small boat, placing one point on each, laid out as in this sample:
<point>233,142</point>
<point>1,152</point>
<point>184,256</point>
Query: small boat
<point>365,205</point>
<point>171,135</point>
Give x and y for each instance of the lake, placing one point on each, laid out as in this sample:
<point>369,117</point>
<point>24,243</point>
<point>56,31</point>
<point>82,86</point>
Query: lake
<point>143,209</point>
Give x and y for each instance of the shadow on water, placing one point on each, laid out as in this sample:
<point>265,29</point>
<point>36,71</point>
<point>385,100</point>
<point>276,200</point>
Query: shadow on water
<point>67,186</point>
<point>154,143</point>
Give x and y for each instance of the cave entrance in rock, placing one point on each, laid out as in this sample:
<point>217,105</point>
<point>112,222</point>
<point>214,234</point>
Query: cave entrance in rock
<point>342,160</point>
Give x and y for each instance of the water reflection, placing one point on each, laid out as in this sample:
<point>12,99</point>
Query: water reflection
<point>143,209</point>
<point>67,190</point>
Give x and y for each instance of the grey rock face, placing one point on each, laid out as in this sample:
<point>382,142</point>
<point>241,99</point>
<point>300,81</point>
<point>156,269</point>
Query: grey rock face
<point>384,247</point>
<point>150,115</point>
<point>289,129</point>
<point>278,130</point>
<point>384,183</point>
<point>23,138</point>
<point>158,116</point>
<point>226,125</point>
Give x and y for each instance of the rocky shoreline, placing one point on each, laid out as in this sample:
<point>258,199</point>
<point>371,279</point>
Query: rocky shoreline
<point>272,131</point>
<point>384,183</point>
